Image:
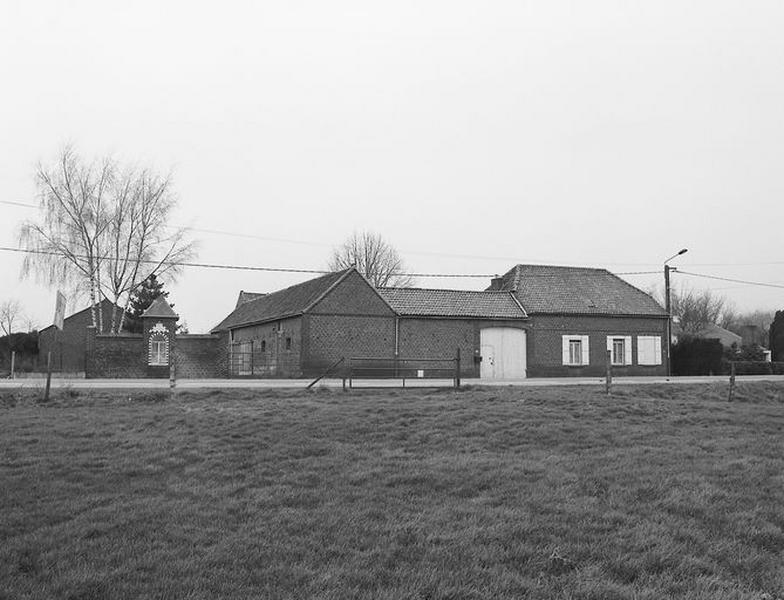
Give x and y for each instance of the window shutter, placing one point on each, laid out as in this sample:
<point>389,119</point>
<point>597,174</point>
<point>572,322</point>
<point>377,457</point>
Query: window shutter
<point>643,350</point>
<point>565,349</point>
<point>609,342</point>
<point>657,358</point>
<point>586,350</point>
<point>628,350</point>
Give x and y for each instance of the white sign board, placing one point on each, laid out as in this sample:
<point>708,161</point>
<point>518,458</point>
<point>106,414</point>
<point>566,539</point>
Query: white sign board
<point>59,311</point>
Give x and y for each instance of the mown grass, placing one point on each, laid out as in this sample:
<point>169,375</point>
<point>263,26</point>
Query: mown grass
<point>657,492</point>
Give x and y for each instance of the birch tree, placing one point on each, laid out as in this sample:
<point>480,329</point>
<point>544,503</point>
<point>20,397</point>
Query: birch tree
<point>139,242</point>
<point>102,230</point>
<point>64,243</point>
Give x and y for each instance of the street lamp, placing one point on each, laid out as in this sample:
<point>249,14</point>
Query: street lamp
<point>667,269</point>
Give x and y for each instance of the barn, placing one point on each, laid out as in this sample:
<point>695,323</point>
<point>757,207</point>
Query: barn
<point>535,321</point>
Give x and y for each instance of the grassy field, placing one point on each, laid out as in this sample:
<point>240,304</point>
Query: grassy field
<point>657,492</point>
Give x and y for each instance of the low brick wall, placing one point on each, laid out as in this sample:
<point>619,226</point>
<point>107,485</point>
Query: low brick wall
<point>199,357</point>
<point>121,356</point>
<point>125,357</point>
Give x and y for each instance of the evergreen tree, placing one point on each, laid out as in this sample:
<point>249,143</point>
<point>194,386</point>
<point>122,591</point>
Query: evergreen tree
<point>777,336</point>
<point>141,300</point>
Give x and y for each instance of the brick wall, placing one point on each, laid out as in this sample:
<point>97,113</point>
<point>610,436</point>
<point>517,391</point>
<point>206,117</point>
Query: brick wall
<point>544,344</point>
<point>277,348</point>
<point>199,357</point>
<point>328,338</point>
<point>116,356</point>
<point>354,296</point>
<point>125,357</point>
<point>440,338</point>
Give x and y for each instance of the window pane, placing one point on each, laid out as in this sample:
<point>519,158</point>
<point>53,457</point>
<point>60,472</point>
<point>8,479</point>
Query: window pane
<point>575,352</point>
<point>618,352</point>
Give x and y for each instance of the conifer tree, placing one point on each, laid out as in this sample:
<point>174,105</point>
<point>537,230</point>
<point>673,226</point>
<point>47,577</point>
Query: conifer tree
<point>141,300</point>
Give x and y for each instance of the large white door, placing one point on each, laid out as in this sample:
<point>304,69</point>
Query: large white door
<point>503,353</point>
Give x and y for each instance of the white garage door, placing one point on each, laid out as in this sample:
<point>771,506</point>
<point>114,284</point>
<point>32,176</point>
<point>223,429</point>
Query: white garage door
<point>503,353</point>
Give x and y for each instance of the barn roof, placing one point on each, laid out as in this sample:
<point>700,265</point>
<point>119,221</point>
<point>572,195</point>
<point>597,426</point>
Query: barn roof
<point>248,296</point>
<point>288,302</point>
<point>453,303</point>
<point>577,290</point>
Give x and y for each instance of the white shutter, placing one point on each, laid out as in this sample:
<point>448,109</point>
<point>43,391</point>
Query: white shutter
<point>627,350</point>
<point>657,357</point>
<point>586,350</point>
<point>649,350</point>
<point>565,349</point>
<point>644,345</point>
<point>609,342</point>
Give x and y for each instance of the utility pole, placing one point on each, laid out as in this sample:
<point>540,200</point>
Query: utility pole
<point>668,308</point>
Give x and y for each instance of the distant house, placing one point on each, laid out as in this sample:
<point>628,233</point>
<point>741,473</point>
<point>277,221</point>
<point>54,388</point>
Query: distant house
<point>712,332</point>
<point>69,345</point>
<point>535,321</point>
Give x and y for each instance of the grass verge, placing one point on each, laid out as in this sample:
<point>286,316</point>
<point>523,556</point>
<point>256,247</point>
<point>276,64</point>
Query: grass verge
<point>656,492</point>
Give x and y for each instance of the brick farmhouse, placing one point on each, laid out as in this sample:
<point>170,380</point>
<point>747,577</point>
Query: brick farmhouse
<point>535,321</point>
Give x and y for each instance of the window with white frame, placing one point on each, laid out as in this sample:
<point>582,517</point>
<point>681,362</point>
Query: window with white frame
<point>575,350</point>
<point>649,350</point>
<point>158,351</point>
<point>620,348</point>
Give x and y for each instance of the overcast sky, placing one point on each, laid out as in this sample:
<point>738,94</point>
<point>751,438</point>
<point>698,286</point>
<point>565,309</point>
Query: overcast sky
<point>472,135</point>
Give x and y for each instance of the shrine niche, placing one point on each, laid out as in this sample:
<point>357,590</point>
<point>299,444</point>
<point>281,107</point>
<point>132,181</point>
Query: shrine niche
<point>160,326</point>
<point>158,346</point>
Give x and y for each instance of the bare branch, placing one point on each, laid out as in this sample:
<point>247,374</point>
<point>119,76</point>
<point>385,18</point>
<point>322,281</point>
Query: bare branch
<point>374,257</point>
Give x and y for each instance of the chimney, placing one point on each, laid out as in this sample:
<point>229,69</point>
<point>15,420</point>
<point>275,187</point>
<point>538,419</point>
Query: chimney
<point>496,283</point>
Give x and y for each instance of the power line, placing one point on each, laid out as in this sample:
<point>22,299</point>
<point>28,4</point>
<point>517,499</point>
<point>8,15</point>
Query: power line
<point>743,281</point>
<point>282,269</point>
<point>515,259</point>
<point>242,267</point>
<point>18,203</point>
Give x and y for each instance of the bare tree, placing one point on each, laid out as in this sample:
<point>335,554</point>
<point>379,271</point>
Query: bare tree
<point>31,324</point>
<point>103,231</point>
<point>138,241</point>
<point>64,244</point>
<point>10,311</point>
<point>374,257</point>
<point>695,309</point>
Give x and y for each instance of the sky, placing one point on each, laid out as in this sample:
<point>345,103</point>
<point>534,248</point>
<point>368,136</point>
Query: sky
<point>471,135</point>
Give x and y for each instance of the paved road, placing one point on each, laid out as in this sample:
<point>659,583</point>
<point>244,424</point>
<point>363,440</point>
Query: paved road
<point>337,383</point>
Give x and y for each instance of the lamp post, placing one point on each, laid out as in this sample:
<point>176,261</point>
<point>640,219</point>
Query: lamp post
<point>667,307</point>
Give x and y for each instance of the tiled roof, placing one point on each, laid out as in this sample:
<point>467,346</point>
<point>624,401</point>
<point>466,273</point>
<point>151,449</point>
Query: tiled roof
<point>160,309</point>
<point>248,296</point>
<point>288,302</point>
<point>452,303</point>
<point>577,290</point>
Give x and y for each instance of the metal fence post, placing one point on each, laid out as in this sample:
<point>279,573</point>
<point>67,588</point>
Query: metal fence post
<point>172,377</point>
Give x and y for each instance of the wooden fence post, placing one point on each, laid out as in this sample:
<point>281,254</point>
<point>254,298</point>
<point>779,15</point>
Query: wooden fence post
<point>48,375</point>
<point>608,376</point>
<point>13,358</point>
<point>732,382</point>
<point>457,369</point>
